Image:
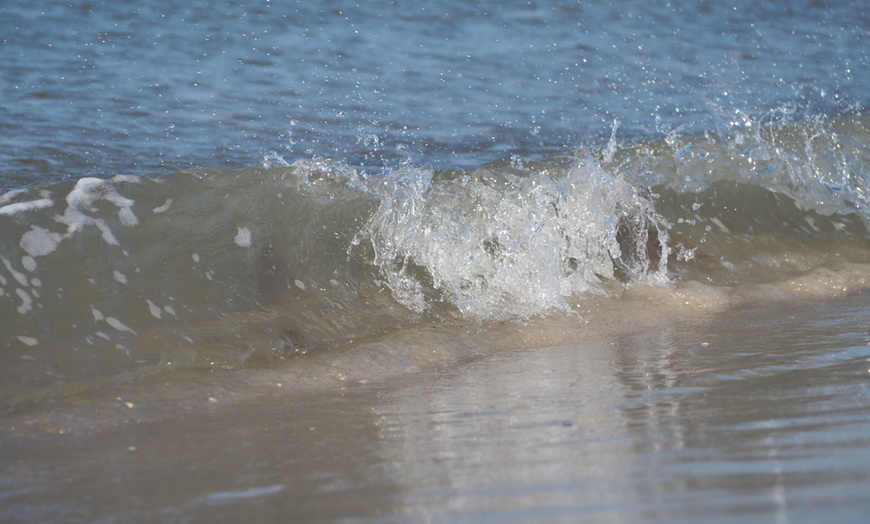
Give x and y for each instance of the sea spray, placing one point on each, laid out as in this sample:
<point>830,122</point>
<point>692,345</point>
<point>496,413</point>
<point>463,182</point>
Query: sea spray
<point>501,243</point>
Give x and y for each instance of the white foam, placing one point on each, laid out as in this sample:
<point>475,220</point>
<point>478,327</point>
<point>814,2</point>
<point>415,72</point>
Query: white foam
<point>127,217</point>
<point>120,277</point>
<point>299,284</point>
<point>26,301</point>
<point>128,179</point>
<point>195,257</point>
<point>165,207</point>
<point>21,207</point>
<point>117,324</point>
<point>29,263</point>
<point>108,236</point>
<point>81,200</point>
<point>98,315</point>
<point>9,196</point>
<point>154,309</point>
<point>17,275</point>
<point>243,237</point>
<point>28,341</point>
<point>226,496</point>
<point>39,241</point>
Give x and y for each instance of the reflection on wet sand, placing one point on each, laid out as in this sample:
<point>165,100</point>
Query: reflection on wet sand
<point>674,425</point>
<point>514,422</point>
<point>756,414</point>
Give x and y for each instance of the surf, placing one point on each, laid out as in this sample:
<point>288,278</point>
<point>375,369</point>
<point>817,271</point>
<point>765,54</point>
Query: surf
<point>120,277</point>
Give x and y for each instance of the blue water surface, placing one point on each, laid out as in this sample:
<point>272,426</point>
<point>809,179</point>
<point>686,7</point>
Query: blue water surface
<point>151,87</point>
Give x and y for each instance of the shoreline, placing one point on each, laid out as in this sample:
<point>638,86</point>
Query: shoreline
<point>751,412</point>
<point>640,310</point>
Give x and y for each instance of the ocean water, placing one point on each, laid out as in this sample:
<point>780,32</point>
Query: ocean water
<point>200,200</point>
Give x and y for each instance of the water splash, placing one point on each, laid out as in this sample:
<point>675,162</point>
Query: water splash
<point>499,243</point>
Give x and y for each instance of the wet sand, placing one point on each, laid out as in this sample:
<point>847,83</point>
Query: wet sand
<point>759,413</point>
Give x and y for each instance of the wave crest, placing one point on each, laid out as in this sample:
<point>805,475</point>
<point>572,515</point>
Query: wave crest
<point>504,242</point>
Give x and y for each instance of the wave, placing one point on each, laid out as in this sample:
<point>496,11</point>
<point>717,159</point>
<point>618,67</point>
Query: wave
<point>111,277</point>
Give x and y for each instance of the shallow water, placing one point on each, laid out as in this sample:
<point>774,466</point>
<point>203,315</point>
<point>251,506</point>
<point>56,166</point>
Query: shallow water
<point>365,261</point>
<point>757,414</point>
